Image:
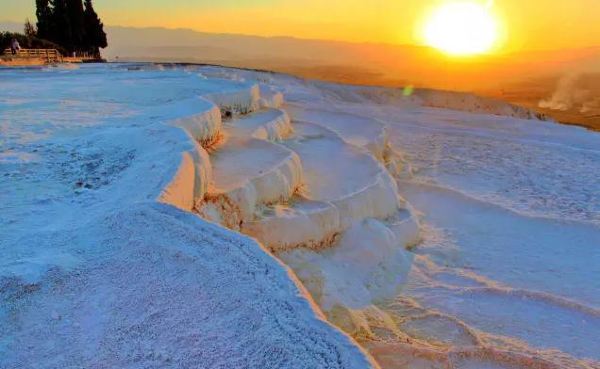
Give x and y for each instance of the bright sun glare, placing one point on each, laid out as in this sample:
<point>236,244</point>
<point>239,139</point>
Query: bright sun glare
<point>462,28</point>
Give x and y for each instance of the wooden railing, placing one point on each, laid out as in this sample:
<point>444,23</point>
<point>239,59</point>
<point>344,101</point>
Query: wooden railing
<point>49,55</point>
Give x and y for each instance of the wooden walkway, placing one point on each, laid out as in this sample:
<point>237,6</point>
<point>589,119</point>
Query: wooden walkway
<point>45,56</point>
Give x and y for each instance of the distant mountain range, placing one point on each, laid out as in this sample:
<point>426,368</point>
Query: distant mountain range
<point>525,78</point>
<point>361,63</point>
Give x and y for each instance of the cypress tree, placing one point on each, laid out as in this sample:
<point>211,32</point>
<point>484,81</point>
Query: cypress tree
<point>68,24</point>
<point>44,19</point>
<point>77,23</point>
<point>94,29</point>
<point>61,25</point>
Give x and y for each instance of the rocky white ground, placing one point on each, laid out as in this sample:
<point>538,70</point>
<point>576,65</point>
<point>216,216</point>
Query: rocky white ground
<point>107,254</point>
<point>101,267</point>
<point>501,221</point>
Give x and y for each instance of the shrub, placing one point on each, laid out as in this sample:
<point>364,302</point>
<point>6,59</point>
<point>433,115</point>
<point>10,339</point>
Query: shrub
<point>27,42</point>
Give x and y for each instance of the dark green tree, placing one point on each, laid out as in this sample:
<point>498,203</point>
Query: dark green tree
<point>44,18</point>
<point>61,25</point>
<point>68,24</point>
<point>29,29</point>
<point>77,23</point>
<point>94,29</point>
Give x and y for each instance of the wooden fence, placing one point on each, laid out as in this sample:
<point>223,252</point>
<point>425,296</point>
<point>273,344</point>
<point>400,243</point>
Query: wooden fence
<point>48,55</point>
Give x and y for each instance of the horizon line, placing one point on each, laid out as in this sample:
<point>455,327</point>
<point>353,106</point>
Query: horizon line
<point>498,53</point>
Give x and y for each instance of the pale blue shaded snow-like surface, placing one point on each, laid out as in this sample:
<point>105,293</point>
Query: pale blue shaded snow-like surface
<point>511,228</point>
<point>94,273</point>
<point>534,168</point>
<point>512,212</point>
<point>555,259</point>
<point>510,257</point>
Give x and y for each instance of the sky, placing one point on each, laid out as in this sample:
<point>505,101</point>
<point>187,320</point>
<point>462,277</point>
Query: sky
<point>525,24</point>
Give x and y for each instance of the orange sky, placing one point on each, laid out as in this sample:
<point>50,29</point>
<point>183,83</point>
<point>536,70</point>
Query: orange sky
<point>527,24</point>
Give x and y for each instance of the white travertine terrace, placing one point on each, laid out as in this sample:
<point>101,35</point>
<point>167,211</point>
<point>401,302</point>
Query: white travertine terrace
<point>267,124</point>
<point>289,184</point>
<point>356,130</point>
<point>249,173</point>
<point>314,189</point>
<point>237,102</point>
<point>271,99</point>
<point>96,273</point>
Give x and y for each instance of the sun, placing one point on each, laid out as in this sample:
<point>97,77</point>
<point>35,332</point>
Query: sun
<point>462,28</point>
